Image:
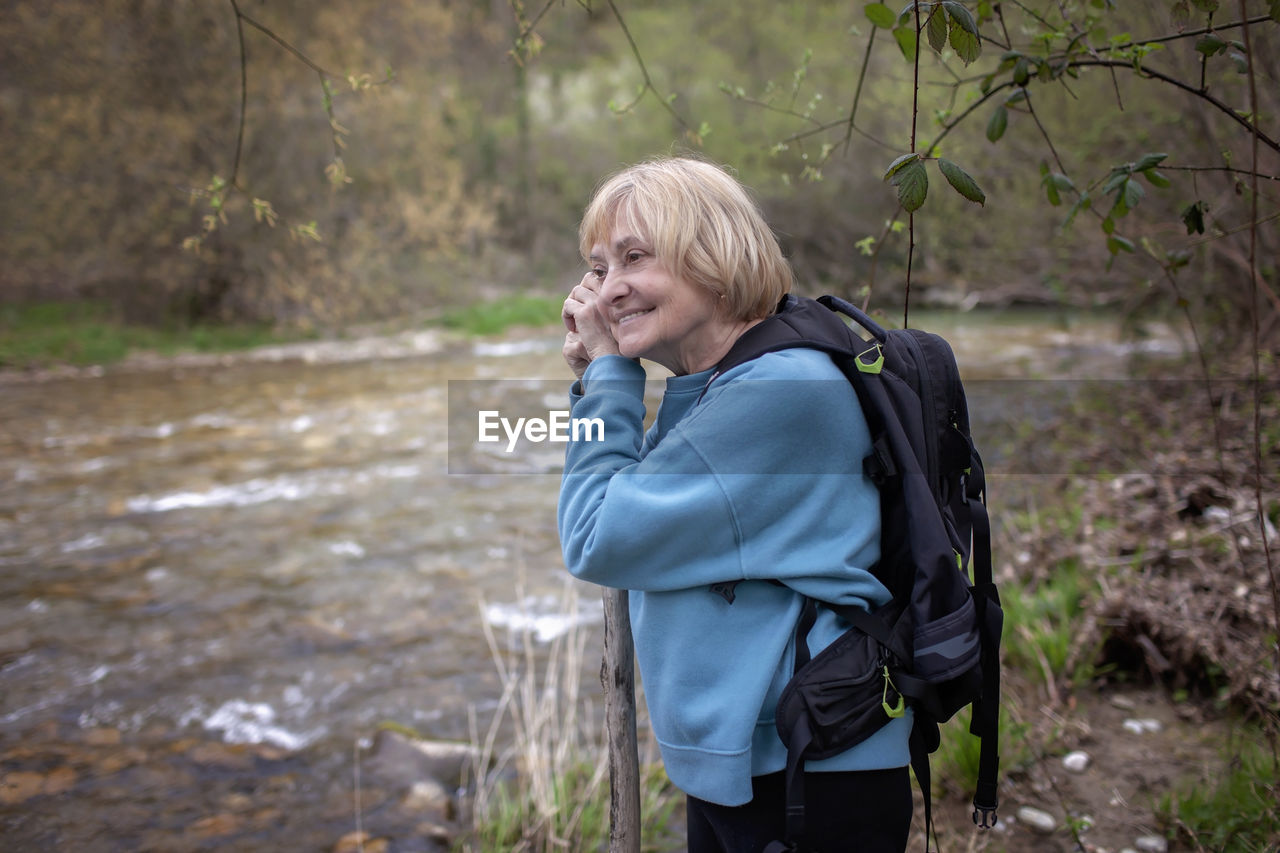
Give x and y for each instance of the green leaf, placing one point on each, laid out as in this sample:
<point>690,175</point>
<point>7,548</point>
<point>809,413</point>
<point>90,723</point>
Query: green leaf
<point>880,15</point>
<point>1116,243</point>
<point>962,16</point>
<point>1206,6</point>
<point>1082,203</point>
<point>1051,192</point>
<point>998,123</point>
<point>1054,183</point>
<point>962,182</point>
<point>1209,44</point>
<point>1108,226</point>
<point>1156,179</point>
<point>1274,7</point>
<point>1117,179</point>
<point>1146,161</point>
<point>1133,194</point>
<point>1022,71</point>
<point>906,38</point>
<point>1193,217</point>
<point>912,182</point>
<point>936,27</point>
<point>1241,62</point>
<point>898,163</point>
<point>963,41</point>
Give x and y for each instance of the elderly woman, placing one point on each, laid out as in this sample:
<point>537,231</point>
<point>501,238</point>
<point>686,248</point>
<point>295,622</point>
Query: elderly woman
<point>748,481</point>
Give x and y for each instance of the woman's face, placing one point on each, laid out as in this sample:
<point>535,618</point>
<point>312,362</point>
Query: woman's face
<point>653,313</point>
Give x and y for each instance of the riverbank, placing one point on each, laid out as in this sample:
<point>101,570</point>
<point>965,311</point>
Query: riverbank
<point>1140,639</point>
<point>221,576</point>
<point>57,340</point>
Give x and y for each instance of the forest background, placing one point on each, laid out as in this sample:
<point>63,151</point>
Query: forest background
<point>309,165</point>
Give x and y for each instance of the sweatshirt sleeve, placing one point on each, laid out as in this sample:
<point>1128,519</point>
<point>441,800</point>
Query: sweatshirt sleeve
<point>654,522</point>
<point>761,480</point>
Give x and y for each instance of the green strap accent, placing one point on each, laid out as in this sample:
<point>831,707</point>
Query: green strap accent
<point>893,711</point>
<point>874,366</point>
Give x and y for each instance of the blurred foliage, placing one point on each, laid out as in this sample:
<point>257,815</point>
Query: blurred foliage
<point>492,317</point>
<point>400,156</point>
<point>39,334</point>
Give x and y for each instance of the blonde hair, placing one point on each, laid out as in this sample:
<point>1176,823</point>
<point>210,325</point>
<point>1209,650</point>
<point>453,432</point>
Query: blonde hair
<point>703,226</point>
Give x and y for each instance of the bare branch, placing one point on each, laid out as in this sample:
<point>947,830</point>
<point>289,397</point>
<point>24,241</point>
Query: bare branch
<point>644,71</point>
<point>857,94</point>
<point>269,33</point>
<point>244,94</point>
<point>1254,280</point>
<point>1047,139</point>
<point>1146,71</point>
<point>532,25</point>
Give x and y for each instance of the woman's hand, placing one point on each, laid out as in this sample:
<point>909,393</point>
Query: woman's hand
<point>589,336</point>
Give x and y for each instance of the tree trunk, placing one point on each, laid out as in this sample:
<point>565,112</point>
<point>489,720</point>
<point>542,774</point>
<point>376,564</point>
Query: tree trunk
<point>617,675</point>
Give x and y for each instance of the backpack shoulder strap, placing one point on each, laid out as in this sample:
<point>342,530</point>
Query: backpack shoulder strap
<point>797,322</point>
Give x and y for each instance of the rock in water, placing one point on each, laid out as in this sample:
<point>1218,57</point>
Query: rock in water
<point>401,760</point>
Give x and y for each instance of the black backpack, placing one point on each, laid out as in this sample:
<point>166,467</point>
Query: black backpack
<point>936,643</point>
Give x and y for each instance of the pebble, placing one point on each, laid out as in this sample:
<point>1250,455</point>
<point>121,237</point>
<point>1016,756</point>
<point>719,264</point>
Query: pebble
<point>1152,844</point>
<point>1040,821</point>
<point>427,796</point>
<point>1142,726</point>
<point>1076,761</point>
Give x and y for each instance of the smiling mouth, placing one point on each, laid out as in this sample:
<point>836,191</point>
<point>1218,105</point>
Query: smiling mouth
<point>631,315</point>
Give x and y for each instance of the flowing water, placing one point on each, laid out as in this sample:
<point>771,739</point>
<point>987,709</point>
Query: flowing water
<point>218,576</point>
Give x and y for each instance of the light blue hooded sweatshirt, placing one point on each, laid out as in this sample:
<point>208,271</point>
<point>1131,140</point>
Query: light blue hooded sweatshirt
<point>758,479</point>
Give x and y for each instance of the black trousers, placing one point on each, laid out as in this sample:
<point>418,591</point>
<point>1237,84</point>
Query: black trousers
<point>865,811</point>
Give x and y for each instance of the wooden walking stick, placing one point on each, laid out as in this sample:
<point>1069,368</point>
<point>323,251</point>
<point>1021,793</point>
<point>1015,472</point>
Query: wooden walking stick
<point>617,676</point>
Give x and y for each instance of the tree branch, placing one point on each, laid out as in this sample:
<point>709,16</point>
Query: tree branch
<point>1228,169</point>
<point>266,31</point>
<point>857,94</point>
<point>911,216</point>
<point>528,30</point>
<point>960,118</point>
<point>1257,374</point>
<point>1192,33</point>
<point>244,94</point>
<point>1176,83</point>
<point>644,72</point>
<point>1047,140</point>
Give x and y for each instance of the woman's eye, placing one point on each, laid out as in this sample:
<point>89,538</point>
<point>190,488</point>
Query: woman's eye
<point>598,272</point>
<point>632,257</point>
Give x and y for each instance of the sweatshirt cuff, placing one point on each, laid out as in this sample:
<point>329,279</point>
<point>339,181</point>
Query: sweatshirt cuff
<point>613,372</point>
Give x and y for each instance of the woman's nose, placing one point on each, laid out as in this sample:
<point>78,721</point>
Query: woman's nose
<point>614,287</point>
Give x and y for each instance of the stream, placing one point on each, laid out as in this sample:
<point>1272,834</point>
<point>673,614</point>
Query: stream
<point>219,575</point>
